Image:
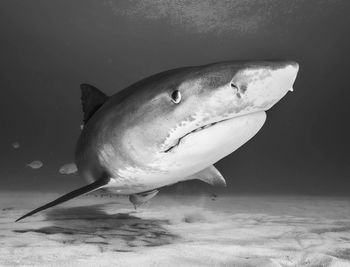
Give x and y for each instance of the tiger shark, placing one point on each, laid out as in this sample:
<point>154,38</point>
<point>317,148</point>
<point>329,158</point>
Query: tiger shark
<point>173,126</point>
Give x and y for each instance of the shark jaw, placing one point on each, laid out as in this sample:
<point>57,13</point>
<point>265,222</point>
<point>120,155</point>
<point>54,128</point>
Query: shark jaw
<point>178,141</point>
<point>216,127</point>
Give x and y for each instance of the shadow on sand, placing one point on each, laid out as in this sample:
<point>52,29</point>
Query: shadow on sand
<point>92,225</point>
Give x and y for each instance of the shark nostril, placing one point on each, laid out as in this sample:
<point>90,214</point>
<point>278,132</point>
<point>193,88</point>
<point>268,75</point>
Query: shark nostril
<point>243,88</point>
<point>233,86</point>
<point>237,91</point>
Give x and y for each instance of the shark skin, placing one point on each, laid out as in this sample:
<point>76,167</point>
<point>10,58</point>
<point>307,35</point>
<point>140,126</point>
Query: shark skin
<point>173,126</point>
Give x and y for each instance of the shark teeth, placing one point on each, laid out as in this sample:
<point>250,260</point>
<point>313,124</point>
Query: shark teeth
<point>203,127</point>
<point>194,131</point>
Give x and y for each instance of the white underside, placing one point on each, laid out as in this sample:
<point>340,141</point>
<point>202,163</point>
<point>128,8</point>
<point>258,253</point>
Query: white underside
<point>194,153</point>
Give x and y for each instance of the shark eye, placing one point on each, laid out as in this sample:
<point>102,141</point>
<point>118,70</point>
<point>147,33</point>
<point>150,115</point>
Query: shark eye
<point>176,96</point>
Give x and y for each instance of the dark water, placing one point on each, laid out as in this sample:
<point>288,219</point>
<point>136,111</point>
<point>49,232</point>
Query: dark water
<point>48,48</point>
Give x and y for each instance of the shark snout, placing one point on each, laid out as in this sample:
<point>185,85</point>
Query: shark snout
<point>283,75</point>
<point>261,85</point>
<point>293,68</point>
<point>283,78</point>
<point>285,71</point>
<point>292,64</point>
<point>265,77</point>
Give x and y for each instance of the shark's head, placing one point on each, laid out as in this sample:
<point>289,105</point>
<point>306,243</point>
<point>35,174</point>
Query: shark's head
<point>195,116</point>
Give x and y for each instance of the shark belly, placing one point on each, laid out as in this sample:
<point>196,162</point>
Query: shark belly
<point>194,153</point>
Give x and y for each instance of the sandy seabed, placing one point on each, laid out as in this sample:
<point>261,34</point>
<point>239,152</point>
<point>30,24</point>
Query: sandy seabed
<point>176,230</point>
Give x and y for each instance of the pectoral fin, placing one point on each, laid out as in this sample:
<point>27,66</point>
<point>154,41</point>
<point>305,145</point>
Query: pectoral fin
<point>139,199</point>
<point>209,175</point>
<point>78,192</point>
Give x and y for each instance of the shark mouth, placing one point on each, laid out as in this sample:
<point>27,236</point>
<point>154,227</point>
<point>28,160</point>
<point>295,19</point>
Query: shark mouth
<point>178,141</point>
<point>194,131</point>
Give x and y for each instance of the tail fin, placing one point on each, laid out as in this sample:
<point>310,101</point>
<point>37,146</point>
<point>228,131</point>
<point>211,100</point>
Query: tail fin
<point>78,192</point>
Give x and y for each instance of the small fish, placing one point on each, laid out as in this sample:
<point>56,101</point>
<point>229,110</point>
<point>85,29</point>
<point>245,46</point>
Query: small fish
<point>36,164</point>
<point>69,168</point>
<point>16,145</point>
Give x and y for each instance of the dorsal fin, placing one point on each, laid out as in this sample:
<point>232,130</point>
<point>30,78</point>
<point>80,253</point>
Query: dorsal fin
<point>92,99</point>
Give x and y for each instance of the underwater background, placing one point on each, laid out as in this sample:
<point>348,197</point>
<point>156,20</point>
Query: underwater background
<point>48,48</point>
<point>287,197</point>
